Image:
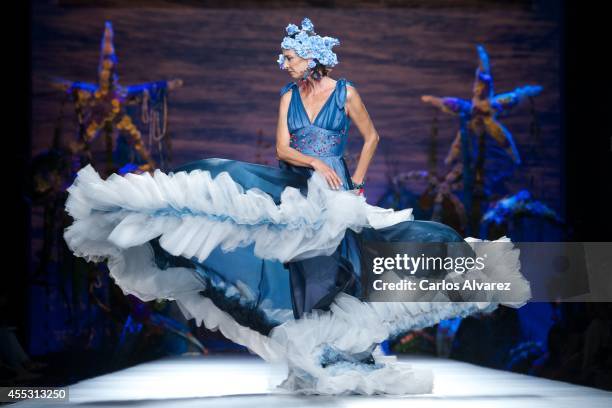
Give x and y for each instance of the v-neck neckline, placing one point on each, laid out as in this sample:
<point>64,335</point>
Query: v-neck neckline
<point>329,98</point>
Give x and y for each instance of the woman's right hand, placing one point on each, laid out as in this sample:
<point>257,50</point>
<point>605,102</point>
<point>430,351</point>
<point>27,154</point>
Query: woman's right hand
<point>330,175</point>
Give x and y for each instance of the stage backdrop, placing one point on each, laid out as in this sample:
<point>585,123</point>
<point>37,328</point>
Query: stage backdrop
<point>227,60</point>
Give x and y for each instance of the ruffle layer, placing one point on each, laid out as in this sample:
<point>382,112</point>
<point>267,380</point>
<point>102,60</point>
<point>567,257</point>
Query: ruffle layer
<point>193,213</point>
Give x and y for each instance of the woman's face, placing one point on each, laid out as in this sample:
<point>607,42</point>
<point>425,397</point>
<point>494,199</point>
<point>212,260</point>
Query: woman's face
<point>294,64</point>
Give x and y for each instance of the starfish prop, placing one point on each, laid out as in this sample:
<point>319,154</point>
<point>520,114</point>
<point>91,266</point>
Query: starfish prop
<point>483,109</point>
<point>438,192</point>
<point>101,107</point>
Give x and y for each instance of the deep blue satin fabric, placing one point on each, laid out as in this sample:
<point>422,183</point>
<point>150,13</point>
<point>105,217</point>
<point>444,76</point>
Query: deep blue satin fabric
<point>312,283</point>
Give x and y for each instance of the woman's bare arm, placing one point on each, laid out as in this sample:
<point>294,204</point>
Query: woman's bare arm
<point>359,115</point>
<point>283,150</point>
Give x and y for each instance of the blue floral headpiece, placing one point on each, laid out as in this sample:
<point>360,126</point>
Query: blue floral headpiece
<point>309,45</point>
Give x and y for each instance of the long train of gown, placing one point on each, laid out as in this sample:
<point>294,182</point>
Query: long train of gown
<point>271,257</point>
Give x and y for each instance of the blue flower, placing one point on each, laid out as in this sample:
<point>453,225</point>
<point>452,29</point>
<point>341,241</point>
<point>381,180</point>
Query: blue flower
<point>330,41</point>
<point>307,24</point>
<point>291,29</point>
<point>302,37</point>
<point>281,61</point>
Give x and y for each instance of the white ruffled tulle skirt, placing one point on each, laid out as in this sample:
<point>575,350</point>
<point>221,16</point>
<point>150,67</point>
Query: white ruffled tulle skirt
<point>215,239</point>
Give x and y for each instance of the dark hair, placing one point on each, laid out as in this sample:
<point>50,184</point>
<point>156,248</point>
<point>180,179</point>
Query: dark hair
<point>319,70</point>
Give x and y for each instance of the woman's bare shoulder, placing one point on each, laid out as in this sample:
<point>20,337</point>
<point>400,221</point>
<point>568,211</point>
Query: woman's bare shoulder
<point>285,101</point>
<point>351,93</point>
<point>285,98</point>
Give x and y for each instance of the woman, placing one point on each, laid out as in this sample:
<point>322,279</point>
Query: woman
<point>313,123</point>
<point>218,236</point>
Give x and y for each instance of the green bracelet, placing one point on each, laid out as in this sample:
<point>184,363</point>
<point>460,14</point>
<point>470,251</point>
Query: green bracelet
<point>358,186</point>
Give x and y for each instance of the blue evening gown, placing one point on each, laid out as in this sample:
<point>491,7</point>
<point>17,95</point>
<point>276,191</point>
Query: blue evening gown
<point>270,256</point>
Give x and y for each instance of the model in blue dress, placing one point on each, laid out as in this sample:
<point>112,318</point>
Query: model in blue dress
<point>271,256</point>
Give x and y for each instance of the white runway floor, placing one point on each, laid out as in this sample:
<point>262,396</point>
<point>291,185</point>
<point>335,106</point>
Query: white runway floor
<point>247,381</point>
